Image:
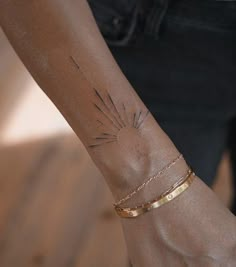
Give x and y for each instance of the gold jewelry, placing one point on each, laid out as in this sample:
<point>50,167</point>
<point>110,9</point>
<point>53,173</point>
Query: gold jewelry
<point>179,182</point>
<point>164,198</point>
<point>148,181</point>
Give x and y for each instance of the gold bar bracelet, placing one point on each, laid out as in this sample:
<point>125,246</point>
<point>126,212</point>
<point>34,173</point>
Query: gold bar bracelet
<point>162,199</point>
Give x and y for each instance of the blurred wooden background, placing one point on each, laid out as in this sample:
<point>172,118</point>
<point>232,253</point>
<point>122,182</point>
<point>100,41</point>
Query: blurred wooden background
<point>55,209</point>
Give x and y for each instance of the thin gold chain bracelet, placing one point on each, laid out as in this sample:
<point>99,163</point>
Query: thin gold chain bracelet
<point>158,174</point>
<point>164,198</point>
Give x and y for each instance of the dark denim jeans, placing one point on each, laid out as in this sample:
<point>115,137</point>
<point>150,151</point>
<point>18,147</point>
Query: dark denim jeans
<point>181,60</point>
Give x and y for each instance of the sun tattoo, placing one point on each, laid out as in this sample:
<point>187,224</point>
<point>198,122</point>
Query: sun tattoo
<point>113,118</point>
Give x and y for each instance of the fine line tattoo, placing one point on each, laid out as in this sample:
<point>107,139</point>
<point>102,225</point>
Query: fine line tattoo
<point>113,117</point>
<point>115,120</point>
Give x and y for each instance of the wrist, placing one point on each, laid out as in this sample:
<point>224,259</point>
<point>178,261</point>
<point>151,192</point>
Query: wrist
<point>132,174</point>
<point>161,182</point>
<point>136,156</point>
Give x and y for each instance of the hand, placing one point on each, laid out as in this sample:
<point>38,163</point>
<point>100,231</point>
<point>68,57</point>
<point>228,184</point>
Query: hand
<point>195,230</point>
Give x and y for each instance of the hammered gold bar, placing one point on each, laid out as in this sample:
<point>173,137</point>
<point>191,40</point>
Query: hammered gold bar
<point>163,199</point>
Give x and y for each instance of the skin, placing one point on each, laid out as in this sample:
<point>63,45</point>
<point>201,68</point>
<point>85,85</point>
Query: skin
<point>61,46</point>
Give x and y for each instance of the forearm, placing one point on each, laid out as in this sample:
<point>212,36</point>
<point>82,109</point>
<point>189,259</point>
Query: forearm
<point>60,44</point>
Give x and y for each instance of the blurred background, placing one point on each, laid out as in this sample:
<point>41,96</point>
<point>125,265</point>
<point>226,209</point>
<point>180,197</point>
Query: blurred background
<point>55,209</point>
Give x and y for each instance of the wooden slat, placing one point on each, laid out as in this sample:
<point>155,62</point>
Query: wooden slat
<point>54,205</point>
<point>17,168</point>
<point>105,246</point>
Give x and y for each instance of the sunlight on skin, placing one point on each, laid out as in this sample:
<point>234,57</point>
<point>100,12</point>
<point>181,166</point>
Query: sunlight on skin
<point>27,113</point>
<point>34,117</point>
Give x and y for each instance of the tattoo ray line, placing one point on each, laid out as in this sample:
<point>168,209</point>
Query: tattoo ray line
<point>147,113</point>
<point>126,117</point>
<point>103,102</point>
<point>115,109</point>
<point>106,116</point>
<point>134,115</point>
<point>105,138</point>
<point>108,134</point>
<point>94,145</point>
<point>137,120</point>
<point>76,64</point>
<point>79,69</point>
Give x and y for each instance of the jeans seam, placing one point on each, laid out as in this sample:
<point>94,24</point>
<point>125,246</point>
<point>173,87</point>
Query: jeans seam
<point>130,32</point>
<point>155,18</point>
<point>198,25</point>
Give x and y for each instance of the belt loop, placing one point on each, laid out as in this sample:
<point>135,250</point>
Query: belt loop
<point>131,29</point>
<point>156,16</point>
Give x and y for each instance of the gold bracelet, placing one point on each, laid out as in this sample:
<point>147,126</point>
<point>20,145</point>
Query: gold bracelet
<point>158,174</point>
<point>157,202</point>
<point>179,182</point>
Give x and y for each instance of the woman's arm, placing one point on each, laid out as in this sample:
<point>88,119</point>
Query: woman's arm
<point>61,46</point>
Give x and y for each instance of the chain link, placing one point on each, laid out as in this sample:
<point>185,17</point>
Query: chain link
<point>148,181</point>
